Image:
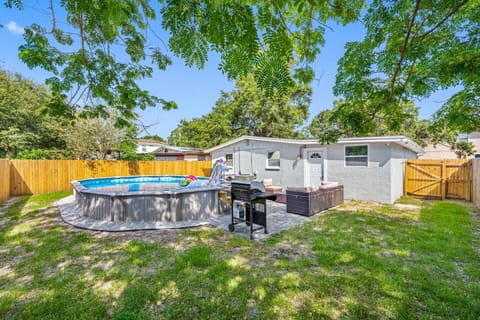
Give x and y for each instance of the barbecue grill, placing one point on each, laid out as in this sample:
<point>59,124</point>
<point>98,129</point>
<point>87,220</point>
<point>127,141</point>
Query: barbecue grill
<point>253,195</point>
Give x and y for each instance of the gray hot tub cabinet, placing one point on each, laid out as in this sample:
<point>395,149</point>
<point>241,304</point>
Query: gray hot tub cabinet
<point>311,200</point>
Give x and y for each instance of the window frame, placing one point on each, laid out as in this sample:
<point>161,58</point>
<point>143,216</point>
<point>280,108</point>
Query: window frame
<point>345,156</point>
<point>227,161</point>
<point>268,166</point>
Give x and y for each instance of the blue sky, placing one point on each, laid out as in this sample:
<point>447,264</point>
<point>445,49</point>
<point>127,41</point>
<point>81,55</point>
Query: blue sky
<point>196,91</point>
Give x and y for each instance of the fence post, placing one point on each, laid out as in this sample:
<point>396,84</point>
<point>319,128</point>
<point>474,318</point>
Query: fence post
<point>470,179</point>
<point>4,180</point>
<point>444,180</point>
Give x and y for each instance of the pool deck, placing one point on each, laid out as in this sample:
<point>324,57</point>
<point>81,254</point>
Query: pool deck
<point>277,220</point>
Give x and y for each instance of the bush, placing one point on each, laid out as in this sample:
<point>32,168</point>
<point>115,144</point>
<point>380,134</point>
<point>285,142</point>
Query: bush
<point>41,154</point>
<point>132,156</point>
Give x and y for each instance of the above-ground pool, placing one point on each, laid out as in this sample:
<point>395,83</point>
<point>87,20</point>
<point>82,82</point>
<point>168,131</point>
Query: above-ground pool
<point>146,198</point>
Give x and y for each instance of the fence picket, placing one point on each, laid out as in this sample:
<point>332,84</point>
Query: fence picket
<point>20,177</point>
<point>438,179</point>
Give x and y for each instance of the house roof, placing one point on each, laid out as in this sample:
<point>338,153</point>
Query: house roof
<point>162,146</point>
<point>179,150</point>
<point>474,135</point>
<point>400,140</point>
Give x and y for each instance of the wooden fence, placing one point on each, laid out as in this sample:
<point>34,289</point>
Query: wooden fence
<point>4,180</point>
<point>439,179</point>
<point>41,176</point>
<point>476,182</point>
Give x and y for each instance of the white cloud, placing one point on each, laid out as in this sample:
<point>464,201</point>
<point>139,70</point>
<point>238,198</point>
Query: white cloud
<point>14,28</point>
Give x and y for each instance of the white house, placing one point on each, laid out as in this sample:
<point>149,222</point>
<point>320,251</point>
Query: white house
<point>370,168</point>
<point>148,145</point>
<point>163,151</point>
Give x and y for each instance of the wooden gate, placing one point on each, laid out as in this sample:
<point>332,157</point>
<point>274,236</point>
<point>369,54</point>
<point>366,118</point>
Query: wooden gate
<point>438,179</point>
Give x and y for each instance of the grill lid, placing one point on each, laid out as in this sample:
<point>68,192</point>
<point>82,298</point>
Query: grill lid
<point>250,186</point>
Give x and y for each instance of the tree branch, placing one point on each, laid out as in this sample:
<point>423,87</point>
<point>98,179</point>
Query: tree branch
<point>80,25</point>
<point>398,67</point>
<point>282,18</point>
<point>403,52</point>
<point>54,21</point>
<point>441,22</point>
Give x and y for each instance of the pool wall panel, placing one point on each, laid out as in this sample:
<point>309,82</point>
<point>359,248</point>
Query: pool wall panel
<point>160,206</point>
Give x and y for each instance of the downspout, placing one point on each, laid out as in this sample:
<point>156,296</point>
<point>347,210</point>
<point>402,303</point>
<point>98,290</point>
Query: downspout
<point>251,158</point>
<point>239,161</point>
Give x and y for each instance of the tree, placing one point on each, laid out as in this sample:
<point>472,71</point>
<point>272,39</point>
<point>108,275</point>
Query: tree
<point>128,146</point>
<point>103,48</point>
<point>461,112</point>
<point>411,49</point>
<point>155,137</point>
<point>463,149</point>
<point>247,110</point>
<point>25,119</point>
<point>341,121</point>
<point>94,137</point>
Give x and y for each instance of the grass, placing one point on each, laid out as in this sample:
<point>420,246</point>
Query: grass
<point>377,262</point>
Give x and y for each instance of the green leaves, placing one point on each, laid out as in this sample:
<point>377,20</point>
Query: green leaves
<point>247,110</point>
<point>461,111</point>
<point>28,118</point>
<point>411,49</point>
<point>463,149</point>
<point>14,3</point>
<point>272,74</point>
<point>99,56</point>
<point>348,119</point>
<point>277,40</point>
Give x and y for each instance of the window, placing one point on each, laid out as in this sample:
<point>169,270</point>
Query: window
<point>229,159</point>
<point>273,159</point>
<point>315,155</point>
<point>356,156</point>
<point>144,148</point>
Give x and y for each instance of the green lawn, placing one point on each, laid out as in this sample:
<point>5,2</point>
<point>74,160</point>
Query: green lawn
<point>355,262</point>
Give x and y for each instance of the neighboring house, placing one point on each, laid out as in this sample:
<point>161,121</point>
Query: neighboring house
<point>444,150</point>
<point>441,150</point>
<point>166,152</point>
<point>148,145</point>
<point>369,168</point>
<point>474,138</point>
<point>163,151</point>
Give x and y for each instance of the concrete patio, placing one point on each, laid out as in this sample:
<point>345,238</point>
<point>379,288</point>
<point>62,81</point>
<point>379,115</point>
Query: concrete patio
<point>277,220</point>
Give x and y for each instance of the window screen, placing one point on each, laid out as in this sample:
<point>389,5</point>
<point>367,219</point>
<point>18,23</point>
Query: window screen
<point>273,159</point>
<point>356,156</point>
<point>229,159</point>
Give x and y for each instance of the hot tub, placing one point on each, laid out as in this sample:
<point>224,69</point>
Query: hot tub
<point>145,198</point>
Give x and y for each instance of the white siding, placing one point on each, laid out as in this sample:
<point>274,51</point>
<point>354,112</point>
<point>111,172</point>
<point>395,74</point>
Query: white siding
<point>381,181</point>
<point>147,147</point>
<point>399,155</point>
<point>251,157</point>
<point>189,157</point>
<point>362,183</point>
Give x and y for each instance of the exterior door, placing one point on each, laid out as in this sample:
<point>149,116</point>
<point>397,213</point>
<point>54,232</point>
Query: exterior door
<point>315,168</point>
